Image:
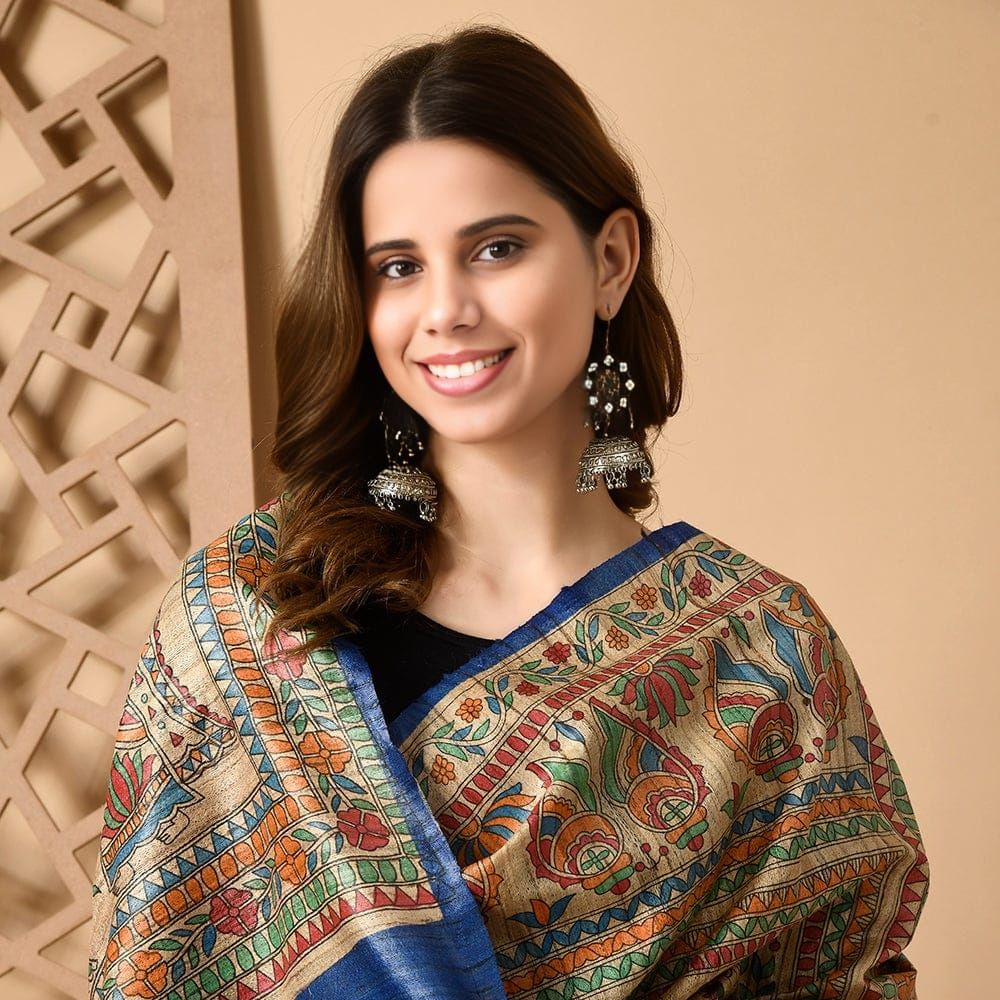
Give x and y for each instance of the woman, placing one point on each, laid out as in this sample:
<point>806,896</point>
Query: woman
<point>442,719</point>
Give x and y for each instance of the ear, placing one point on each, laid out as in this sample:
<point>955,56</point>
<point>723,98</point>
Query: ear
<point>616,253</point>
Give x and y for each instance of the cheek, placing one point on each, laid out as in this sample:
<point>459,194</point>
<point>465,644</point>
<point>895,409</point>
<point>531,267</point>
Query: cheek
<point>386,328</point>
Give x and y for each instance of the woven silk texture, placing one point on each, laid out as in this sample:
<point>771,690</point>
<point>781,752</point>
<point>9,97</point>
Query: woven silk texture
<point>668,783</point>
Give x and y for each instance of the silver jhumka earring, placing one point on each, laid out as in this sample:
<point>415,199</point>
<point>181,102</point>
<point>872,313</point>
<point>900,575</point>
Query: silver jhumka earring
<point>609,388</point>
<point>400,480</point>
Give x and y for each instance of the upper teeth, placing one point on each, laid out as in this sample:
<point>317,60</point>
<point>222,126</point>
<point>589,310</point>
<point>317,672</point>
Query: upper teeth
<point>467,368</point>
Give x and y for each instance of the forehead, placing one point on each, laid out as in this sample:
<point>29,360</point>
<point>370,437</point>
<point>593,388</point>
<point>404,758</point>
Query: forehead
<point>433,184</point>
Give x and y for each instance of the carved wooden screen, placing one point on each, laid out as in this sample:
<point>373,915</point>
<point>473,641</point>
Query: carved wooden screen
<point>124,412</point>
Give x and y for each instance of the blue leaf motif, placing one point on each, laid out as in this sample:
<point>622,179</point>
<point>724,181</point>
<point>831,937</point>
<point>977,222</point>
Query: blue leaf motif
<point>679,572</point>
<point>266,535</point>
<point>709,568</point>
<point>581,653</point>
<point>208,939</point>
<point>570,732</point>
<point>592,627</point>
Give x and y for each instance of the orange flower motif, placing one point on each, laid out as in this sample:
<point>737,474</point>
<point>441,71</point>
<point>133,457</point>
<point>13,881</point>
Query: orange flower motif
<point>442,770</point>
<point>645,596</point>
<point>616,638</point>
<point>250,570</point>
<point>470,708</point>
<point>143,974</point>
<point>325,752</point>
<point>290,860</point>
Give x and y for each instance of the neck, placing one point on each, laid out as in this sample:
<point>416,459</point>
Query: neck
<point>509,509</point>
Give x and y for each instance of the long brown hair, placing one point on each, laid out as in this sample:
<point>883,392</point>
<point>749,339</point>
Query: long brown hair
<point>337,550</point>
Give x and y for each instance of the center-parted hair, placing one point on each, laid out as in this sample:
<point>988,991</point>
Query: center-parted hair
<point>338,550</point>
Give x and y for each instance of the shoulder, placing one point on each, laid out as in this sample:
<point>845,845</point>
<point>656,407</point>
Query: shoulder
<point>720,579</point>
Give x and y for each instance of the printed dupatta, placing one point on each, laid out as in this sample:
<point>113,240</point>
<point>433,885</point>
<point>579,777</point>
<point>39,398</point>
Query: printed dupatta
<point>667,783</point>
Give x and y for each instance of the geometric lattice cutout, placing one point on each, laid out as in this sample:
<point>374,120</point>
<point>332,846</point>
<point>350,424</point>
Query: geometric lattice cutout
<point>79,229</point>
<point>69,769</point>
<point>150,11</point>
<point>20,175</point>
<point>30,889</point>
<point>70,138</point>
<point>18,985</point>
<point>62,411</point>
<point>70,951</point>
<point>115,589</point>
<point>98,680</point>
<point>46,48</point>
<point>87,856</point>
<point>95,410</point>
<point>26,533</point>
<point>157,469</point>
<point>27,652</point>
<point>151,346</point>
<point>89,500</point>
<point>21,293</point>
<point>80,321</point>
<point>139,106</point>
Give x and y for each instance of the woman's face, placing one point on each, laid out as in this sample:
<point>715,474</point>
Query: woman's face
<point>445,276</point>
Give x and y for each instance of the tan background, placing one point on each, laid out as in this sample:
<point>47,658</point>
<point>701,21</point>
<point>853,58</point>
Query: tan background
<point>827,174</point>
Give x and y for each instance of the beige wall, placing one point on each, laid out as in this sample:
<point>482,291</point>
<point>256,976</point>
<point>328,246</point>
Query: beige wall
<point>828,178</point>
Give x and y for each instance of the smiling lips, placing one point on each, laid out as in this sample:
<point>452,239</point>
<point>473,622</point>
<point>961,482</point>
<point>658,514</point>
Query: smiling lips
<point>469,376</point>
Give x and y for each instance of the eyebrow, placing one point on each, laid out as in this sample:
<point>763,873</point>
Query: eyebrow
<point>472,229</point>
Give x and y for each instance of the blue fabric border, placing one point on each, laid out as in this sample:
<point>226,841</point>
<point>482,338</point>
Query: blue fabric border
<point>571,599</point>
<point>452,959</point>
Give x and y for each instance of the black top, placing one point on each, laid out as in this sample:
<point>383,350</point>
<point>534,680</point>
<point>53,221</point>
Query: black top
<point>409,653</point>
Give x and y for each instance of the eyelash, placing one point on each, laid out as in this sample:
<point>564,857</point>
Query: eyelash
<point>381,270</point>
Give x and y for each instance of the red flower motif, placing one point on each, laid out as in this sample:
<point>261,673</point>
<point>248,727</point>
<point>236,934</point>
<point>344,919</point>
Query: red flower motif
<point>280,663</point>
<point>526,687</point>
<point>364,830</point>
<point>700,585</point>
<point>234,912</point>
<point>558,652</point>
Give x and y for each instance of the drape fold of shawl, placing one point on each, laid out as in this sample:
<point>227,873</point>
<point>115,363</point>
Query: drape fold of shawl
<point>667,783</point>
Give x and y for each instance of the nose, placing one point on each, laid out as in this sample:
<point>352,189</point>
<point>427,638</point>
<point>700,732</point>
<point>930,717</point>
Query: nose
<point>450,302</point>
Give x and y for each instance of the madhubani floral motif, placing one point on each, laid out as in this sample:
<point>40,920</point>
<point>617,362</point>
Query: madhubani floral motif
<point>442,770</point>
<point>290,860</point>
<point>526,687</point>
<point>234,911</point>
<point>645,597</point>
<point>470,709</point>
<point>616,638</point>
<point>279,662</point>
<point>324,752</point>
<point>700,584</point>
<point>362,829</point>
<point>143,974</point>
<point>558,652</point>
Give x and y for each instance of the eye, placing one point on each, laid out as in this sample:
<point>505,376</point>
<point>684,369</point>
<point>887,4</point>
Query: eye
<point>512,244</point>
<point>383,269</point>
